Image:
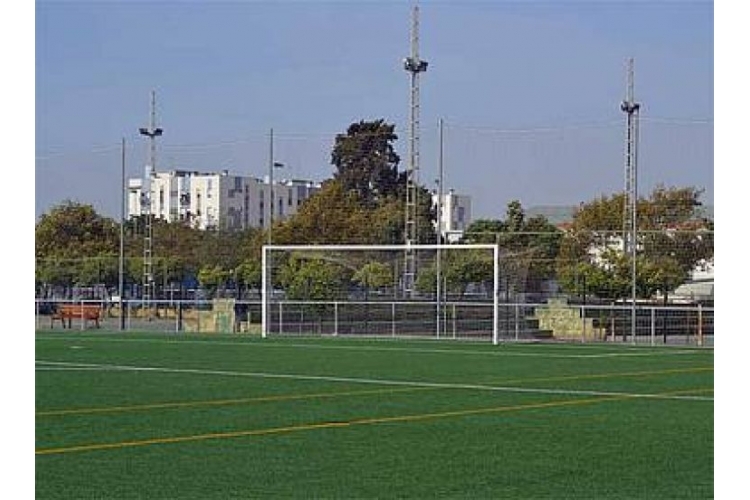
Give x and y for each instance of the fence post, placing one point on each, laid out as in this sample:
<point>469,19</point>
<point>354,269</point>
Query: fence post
<point>176,315</point>
<point>700,325</point>
<point>583,329</point>
<point>518,317</point>
<point>393,319</point>
<point>653,326</point>
<point>179,315</point>
<point>335,318</point>
<point>83,320</point>
<point>454,320</point>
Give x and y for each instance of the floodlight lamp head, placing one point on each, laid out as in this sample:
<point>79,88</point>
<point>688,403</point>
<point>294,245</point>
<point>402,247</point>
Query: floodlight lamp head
<point>629,107</point>
<point>415,65</point>
<point>151,133</point>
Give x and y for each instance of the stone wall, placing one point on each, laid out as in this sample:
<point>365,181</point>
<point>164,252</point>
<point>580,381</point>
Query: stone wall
<point>220,318</point>
<point>565,322</point>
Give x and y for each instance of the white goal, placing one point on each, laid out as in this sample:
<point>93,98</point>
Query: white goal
<point>445,291</point>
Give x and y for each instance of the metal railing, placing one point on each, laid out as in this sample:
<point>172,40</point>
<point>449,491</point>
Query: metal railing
<point>555,321</point>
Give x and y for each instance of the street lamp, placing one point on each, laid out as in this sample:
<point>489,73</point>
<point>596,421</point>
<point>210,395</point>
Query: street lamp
<point>268,289</point>
<point>439,231</point>
<point>271,165</point>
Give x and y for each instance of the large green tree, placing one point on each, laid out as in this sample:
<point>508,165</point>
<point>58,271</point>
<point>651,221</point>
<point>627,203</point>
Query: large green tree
<point>365,160</point>
<point>313,278</point>
<point>367,168</point>
<point>374,275</point>
<point>673,237</point>
<point>75,230</point>
<point>459,269</point>
<point>528,246</point>
<point>75,245</point>
<point>333,215</point>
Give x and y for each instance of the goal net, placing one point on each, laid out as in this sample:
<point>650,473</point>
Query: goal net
<point>438,291</point>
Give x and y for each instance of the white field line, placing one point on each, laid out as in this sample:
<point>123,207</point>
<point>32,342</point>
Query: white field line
<point>47,368</point>
<point>500,351</point>
<point>356,380</point>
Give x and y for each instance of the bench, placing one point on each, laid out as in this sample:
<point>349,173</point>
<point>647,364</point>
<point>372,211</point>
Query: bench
<point>85,312</point>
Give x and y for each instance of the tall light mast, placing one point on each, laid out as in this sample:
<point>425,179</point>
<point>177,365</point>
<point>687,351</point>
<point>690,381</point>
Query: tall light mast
<point>414,65</point>
<point>630,198</point>
<point>152,132</point>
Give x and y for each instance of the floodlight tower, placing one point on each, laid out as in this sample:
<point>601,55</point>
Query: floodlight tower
<point>414,65</point>
<point>629,226</point>
<point>152,132</point>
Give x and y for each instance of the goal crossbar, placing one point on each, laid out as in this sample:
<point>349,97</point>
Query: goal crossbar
<point>267,288</point>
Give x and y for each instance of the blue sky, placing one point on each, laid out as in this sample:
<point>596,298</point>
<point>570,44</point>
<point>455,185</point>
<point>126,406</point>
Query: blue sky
<point>529,91</point>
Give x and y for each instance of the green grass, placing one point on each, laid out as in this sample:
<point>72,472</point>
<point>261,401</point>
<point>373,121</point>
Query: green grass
<point>221,416</point>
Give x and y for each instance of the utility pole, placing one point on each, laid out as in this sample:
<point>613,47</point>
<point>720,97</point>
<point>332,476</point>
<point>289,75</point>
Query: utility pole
<point>414,65</point>
<point>439,233</point>
<point>121,273</point>
<point>269,201</point>
<point>152,132</point>
<point>630,208</point>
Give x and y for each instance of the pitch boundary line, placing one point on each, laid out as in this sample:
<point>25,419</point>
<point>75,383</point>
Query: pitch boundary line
<point>386,382</point>
<point>631,352</point>
<point>292,397</point>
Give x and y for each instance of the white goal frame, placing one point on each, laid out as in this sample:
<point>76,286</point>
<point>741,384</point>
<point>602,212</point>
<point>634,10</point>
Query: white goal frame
<point>266,286</point>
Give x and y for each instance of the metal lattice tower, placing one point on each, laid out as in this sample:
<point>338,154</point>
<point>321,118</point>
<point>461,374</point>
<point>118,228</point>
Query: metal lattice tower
<point>152,132</point>
<point>414,65</point>
<point>630,209</point>
<point>631,108</point>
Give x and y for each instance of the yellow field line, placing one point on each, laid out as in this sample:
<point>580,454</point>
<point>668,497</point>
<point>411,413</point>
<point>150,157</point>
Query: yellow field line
<point>327,425</point>
<point>220,402</point>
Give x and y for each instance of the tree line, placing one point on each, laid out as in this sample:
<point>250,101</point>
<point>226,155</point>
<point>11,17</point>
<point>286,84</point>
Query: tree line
<point>364,203</point>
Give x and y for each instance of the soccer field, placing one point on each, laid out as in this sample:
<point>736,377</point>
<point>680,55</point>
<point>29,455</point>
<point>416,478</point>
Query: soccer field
<point>176,416</point>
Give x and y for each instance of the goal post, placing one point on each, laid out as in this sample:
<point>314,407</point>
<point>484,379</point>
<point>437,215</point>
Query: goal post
<point>362,290</point>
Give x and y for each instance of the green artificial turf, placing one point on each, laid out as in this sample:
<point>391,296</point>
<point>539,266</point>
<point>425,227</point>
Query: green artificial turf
<point>226,416</point>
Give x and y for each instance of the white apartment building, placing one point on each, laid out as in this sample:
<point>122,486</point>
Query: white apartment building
<point>216,200</point>
<point>455,215</point>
